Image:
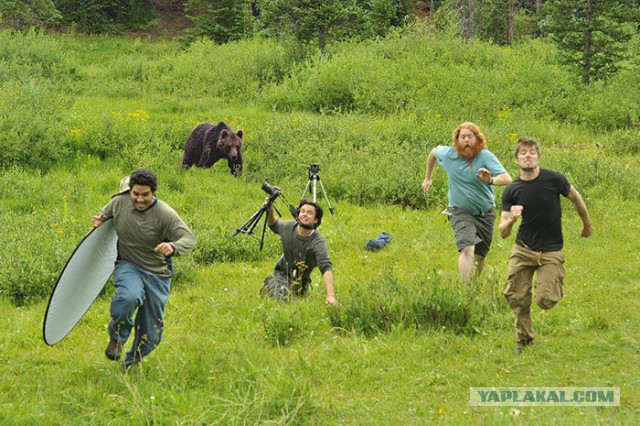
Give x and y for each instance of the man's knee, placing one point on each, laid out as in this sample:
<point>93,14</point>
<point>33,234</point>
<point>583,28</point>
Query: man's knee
<point>550,279</point>
<point>517,301</point>
<point>123,304</point>
<point>127,299</point>
<point>276,287</point>
<point>468,251</point>
<point>516,294</point>
<point>547,301</point>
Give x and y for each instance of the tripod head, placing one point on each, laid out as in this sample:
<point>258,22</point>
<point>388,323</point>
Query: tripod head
<point>314,171</point>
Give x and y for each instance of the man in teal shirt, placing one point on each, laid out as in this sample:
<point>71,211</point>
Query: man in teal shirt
<point>472,171</point>
<point>149,234</point>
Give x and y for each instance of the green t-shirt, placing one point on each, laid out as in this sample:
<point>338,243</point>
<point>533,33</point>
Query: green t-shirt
<point>139,232</point>
<point>299,254</point>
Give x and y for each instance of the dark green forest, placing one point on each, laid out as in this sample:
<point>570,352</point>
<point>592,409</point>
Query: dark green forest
<point>593,35</point>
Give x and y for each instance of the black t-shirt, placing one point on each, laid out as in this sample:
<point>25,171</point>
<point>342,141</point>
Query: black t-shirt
<point>541,227</point>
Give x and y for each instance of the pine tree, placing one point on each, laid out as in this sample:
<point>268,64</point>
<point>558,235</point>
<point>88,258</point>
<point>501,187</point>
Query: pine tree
<point>221,20</point>
<point>28,12</point>
<point>592,34</point>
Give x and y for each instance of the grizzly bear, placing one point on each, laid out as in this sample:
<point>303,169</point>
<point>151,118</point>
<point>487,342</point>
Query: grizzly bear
<point>207,143</point>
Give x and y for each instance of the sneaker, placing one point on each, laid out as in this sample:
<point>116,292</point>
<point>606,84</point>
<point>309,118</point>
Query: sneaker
<point>114,350</point>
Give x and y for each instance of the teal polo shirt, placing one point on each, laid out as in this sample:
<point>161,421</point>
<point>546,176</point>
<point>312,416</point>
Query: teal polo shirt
<point>466,191</point>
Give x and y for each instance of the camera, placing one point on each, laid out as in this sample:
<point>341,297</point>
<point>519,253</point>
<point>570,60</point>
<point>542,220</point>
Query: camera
<point>314,169</point>
<point>273,191</point>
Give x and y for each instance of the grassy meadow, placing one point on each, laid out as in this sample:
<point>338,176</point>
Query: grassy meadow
<point>78,113</point>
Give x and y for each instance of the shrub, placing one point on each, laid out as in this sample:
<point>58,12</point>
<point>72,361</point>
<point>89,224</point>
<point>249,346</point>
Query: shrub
<point>232,72</point>
<point>385,303</point>
<point>24,56</point>
<point>32,131</point>
<point>37,233</point>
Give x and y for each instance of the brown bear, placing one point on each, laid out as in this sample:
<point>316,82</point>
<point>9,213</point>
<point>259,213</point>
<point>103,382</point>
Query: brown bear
<point>207,143</point>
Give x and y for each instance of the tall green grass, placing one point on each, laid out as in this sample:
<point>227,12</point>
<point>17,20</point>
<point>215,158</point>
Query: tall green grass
<point>388,302</point>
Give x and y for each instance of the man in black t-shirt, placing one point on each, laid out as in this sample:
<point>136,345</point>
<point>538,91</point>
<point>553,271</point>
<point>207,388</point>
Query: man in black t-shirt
<point>535,197</point>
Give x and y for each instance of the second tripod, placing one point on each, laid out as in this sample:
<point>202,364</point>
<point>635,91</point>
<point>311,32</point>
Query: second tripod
<point>314,180</point>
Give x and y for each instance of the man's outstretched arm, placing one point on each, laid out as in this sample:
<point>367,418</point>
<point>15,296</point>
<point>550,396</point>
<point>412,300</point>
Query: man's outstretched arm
<point>581,208</point>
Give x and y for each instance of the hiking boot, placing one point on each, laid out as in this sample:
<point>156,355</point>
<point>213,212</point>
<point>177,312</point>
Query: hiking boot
<point>521,346</point>
<point>114,350</point>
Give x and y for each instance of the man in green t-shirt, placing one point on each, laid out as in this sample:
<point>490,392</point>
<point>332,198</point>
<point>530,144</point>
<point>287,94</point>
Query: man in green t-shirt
<point>149,234</point>
<point>303,248</point>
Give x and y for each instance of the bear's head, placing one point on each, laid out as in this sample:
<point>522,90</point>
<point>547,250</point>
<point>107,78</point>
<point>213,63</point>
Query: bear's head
<point>230,143</point>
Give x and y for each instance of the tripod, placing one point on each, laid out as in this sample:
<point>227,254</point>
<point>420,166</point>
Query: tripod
<point>252,222</point>
<point>314,179</point>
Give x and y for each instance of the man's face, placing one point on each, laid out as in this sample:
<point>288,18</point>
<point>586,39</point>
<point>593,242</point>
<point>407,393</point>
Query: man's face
<point>527,158</point>
<point>141,196</point>
<point>307,216</point>
<point>467,144</point>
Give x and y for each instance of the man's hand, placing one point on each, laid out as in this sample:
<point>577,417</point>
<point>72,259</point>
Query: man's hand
<point>331,300</point>
<point>426,184</point>
<point>268,204</point>
<point>508,219</point>
<point>516,212</point>
<point>587,230</point>
<point>164,249</point>
<point>484,175</point>
<point>97,220</point>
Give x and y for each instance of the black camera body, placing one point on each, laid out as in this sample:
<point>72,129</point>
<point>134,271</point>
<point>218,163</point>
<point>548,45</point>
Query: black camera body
<point>273,191</point>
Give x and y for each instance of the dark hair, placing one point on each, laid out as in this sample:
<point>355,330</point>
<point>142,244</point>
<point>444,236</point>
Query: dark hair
<point>525,141</point>
<point>317,206</point>
<point>144,177</point>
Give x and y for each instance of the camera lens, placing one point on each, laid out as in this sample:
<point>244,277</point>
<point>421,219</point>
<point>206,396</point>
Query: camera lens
<point>267,188</point>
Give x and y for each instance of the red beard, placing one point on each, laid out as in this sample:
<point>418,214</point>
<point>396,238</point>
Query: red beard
<point>471,153</point>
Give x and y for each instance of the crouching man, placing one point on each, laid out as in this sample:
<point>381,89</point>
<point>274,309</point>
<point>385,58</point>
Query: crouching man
<point>303,248</point>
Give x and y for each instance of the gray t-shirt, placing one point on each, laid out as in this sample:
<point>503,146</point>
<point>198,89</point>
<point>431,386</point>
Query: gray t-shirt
<point>139,232</point>
<point>299,254</point>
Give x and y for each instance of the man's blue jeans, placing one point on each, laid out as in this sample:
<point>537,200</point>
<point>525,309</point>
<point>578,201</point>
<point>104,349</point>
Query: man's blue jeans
<point>138,289</point>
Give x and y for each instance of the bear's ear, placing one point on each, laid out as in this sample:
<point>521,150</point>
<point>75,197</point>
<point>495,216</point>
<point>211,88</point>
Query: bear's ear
<point>224,134</point>
<point>239,134</point>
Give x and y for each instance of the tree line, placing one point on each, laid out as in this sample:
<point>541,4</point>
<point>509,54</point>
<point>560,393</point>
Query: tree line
<point>592,35</point>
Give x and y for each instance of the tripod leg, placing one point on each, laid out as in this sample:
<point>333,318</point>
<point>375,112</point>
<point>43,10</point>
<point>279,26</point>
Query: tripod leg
<point>315,190</point>
<point>306,188</point>
<point>251,223</point>
<point>264,229</point>
<point>330,207</point>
